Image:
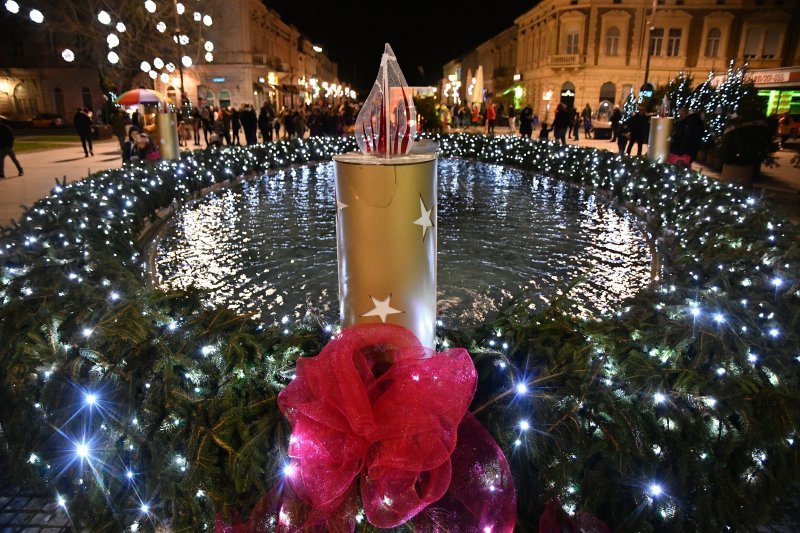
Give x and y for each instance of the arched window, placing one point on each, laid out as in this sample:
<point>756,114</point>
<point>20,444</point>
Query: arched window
<point>224,98</point>
<point>612,41</point>
<point>25,99</point>
<point>608,91</point>
<point>205,96</point>
<point>86,97</point>
<point>712,42</point>
<point>58,99</point>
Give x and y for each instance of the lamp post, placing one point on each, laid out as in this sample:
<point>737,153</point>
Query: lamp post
<point>177,38</point>
<point>648,44</point>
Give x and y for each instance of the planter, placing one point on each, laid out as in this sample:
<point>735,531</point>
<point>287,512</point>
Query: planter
<point>741,174</point>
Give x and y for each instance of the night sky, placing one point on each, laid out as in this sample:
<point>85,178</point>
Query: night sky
<point>423,35</point>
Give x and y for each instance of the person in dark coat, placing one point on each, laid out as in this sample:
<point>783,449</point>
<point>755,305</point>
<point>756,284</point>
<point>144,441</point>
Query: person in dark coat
<point>265,117</point>
<point>616,116</point>
<point>249,124</point>
<point>526,122</point>
<point>226,117</point>
<point>130,145</point>
<point>692,135</point>
<point>236,125</point>
<point>83,124</point>
<point>639,125</point>
<point>561,123</point>
<point>7,149</point>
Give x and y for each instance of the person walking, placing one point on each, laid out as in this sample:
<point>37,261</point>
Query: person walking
<point>560,124</point>
<point>236,124</point>
<point>265,117</point>
<point>226,118</point>
<point>577,122</point>
<point>249,124</point>
<point>197,123</point>
<point>512,118</point>
<point>118,127</point>
<point>639,126</point>
<point>586,115</point>
<point>83,124</point>
<point>616,116</point>
<point>491,118</point>
<point>7,149</point>
<point>526,122</point>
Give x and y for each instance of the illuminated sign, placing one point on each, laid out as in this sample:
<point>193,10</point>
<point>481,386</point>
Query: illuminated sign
<point>218,80</point>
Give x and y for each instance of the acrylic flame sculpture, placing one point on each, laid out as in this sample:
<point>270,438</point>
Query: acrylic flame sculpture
<point>387,123</point>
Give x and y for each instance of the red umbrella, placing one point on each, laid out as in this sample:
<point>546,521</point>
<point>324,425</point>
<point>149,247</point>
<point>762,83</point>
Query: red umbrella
<point>140,96</point>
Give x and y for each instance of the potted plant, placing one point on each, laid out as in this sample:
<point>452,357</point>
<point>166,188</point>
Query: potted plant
<point>744,148</point>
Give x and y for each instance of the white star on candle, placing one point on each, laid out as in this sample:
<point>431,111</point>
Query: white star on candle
<point>382,308</point>
<point>340,205</point>
<point>424,219</point>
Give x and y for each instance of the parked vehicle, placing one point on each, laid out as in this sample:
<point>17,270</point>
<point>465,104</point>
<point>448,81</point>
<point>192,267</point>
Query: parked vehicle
<point>48,120</point>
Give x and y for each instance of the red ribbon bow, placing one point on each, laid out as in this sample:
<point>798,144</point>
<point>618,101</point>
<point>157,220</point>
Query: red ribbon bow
<point>376,404</point>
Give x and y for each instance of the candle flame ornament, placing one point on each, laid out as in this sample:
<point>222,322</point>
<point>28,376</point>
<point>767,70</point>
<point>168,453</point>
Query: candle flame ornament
<point>387,122</point>
<point>386,215</point>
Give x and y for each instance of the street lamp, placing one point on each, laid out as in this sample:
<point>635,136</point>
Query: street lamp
<point>650,28</point>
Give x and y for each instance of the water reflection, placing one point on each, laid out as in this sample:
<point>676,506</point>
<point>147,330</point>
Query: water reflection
<point>269,246</point>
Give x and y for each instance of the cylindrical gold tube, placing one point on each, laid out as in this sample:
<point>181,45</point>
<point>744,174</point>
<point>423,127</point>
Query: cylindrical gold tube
<point>386,241</point>
<point>658,143</point>
<point>167,131</point>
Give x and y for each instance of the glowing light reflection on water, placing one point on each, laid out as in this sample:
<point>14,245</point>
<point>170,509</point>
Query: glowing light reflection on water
<point>269,245</point>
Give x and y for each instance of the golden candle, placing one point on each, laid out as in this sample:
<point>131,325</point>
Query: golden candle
<point>386,241</point>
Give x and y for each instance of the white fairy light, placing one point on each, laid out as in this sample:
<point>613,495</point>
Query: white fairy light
<point>61,501</point>
<point>145,66</point>
<point>121,27</point>
<point>68,55</point>
<point>90,399</point>
<point>153,74</point>
<point>187,61</point>
<point>82,450</point>
<point>170,67</point>
<point>180,8</point>
<point>524,425</point>
<point>161,26</point>
<point>197,16</point>
<point>36,16</point>
<point>209,46</point>
<point>659,398</point>
<point>112,40</point>
<point>289,470</point>
<point>12,6</point>
<point>113,58</point>
<point>207,20</point>
<point>183,39</point>
<point>209,57</point>
<point>150,6</point>
<point>655,490</point>
<point>522,388</point>
<point>164,77</point>
<point>104,18</point>
<point>158,63</point>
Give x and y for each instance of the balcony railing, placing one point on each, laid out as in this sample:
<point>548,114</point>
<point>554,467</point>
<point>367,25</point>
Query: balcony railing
<point>566,60</point>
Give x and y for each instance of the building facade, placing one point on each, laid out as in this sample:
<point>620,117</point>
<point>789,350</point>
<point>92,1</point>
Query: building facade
<point>258,57</point>
<point>587,51</point>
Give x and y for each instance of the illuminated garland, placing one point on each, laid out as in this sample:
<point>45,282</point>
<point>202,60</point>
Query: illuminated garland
<point>135,407</point>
